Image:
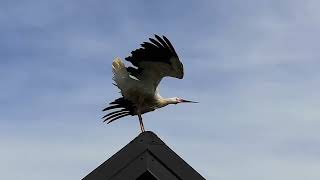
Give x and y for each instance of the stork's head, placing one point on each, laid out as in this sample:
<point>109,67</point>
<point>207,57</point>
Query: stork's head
<point>177,100</point>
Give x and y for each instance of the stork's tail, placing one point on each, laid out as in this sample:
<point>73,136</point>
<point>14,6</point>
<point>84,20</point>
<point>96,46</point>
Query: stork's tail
<point>120,73</point>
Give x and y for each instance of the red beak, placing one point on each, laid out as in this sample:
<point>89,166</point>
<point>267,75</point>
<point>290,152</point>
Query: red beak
<point>187,101</point>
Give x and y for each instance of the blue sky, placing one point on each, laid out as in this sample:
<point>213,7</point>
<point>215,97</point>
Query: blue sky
<point>253,65</point>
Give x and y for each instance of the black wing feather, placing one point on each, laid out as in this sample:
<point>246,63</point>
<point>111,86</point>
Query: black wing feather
<point>133,71</point>
<point>170,45</point>
<point>127,107</point>
<point>115,112</point>
<point>156,43</point>
<point>160,50</point>
<point>117,118</point>
<point>115,115</point>
<point>164,44</point>
<point>111,107</point>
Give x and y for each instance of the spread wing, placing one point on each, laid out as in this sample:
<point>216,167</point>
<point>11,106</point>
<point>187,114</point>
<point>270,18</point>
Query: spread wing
<point>154,60</point>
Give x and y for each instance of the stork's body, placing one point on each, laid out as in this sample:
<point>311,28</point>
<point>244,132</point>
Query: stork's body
<point>139,86</point>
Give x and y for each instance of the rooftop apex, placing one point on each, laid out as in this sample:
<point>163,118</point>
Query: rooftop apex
<point>145,154</point>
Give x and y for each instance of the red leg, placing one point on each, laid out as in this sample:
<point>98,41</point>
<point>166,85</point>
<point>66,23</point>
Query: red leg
<point>141,123</point>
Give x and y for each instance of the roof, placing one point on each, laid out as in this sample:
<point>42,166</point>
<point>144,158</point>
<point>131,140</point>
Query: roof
<point>145,157</point>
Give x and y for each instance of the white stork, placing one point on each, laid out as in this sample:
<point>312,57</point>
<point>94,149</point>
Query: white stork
<point>139,85</point>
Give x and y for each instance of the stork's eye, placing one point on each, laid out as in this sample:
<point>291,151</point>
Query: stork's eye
<point>178,100</point>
